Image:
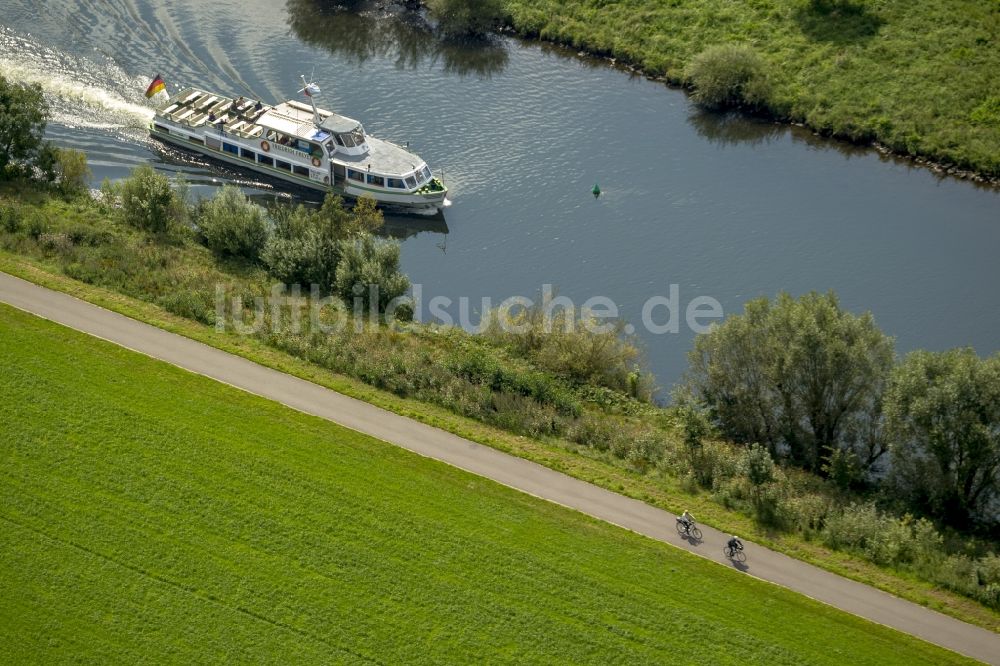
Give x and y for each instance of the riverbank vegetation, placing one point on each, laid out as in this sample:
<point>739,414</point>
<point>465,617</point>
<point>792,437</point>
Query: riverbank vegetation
<point>918,77</point>
<point>578,392</point>
<point>150,511</point>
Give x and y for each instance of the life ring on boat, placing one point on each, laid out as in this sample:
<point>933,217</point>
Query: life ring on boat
<point>265,146</point>
<point>326,180</point>
<point>316,161</point>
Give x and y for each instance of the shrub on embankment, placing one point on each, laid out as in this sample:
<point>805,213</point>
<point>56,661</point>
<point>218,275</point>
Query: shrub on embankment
<point>729,76</point>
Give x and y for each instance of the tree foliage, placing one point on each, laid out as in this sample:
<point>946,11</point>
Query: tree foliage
<point>148,201</point>
<point>757,465</point>
<point>802,376</point>
<point>71,169</point>
<point>232,225</point>
<point>369,271</point>
<point>304,246</point>
<point>23,115</point>
<point>943,415</point>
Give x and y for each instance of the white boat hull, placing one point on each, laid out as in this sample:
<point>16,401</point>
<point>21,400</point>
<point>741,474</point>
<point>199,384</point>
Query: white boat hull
<point>186,123</point>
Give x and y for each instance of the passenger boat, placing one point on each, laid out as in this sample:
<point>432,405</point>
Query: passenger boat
<point>300,144</point>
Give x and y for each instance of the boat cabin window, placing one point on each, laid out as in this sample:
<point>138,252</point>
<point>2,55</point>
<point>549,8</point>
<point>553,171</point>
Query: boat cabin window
<point>376,180</point>
<point>355,137</point>
<point>356,175</point>
<point>230,148</point>
<point>301,170</point>
<point>411,182</point>
<point>283,165</point>
<point>427,173</point>
<point>263,159</point>
<point>397,183</point>
<point>249,154</point>
<point>330,147</point>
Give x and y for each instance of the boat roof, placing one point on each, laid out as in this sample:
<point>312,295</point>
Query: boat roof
<point>296,119</point>
<point>384,157</point>
<point>337,123</point>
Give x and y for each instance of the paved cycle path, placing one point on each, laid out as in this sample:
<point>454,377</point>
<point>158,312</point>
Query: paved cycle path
<point>509,470</point>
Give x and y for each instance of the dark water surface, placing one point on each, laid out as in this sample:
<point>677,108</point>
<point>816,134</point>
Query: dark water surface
<point>720,207</point>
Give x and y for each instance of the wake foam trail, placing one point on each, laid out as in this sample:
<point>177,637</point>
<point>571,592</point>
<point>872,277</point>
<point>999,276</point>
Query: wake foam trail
<point>80,92</point>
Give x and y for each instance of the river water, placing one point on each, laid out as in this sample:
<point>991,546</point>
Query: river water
<point>692,205</point>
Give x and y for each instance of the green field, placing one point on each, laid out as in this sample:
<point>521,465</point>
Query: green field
<point>919,76</point>
<point>152,514</point>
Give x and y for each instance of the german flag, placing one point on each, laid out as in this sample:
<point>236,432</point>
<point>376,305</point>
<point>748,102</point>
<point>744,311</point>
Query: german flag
<point>156,86</point>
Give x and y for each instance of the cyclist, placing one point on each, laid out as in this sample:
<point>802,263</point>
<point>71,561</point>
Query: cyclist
<point>688,520</point>
<point>735,544</point>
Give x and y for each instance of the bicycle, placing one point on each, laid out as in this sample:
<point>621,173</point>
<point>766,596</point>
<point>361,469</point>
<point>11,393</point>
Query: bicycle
<point>734,553</point>
<point>688,529</point>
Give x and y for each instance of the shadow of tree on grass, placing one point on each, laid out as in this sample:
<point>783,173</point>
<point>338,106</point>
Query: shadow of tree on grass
<point>837,21</point>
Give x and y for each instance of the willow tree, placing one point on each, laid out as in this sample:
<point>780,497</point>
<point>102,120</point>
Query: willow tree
<point>801,375</point>
<point>943,418</point>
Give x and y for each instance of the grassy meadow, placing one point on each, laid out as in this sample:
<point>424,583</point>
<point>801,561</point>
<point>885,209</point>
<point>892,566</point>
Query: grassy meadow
<point>917,76</point>
<point>150,514</point>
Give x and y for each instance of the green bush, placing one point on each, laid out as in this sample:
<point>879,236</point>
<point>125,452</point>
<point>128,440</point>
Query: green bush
<point>148,201</point>
<point>645,451</point>
<point>72,170</point>
<point>304,250</point>
<point>853,527</point>
<point>806,512</point>
<point>46,159</point>
<point>729,76</point>
<point>594,432</point>
<point>232,225</point>
<point>55,243</point>
<point>756,465</point>
<point>10,219</point>
<point>193,304</point>
<point>88,235</point>
<point>36,225</point>
<point>522,415</point>
<point>369,267</point>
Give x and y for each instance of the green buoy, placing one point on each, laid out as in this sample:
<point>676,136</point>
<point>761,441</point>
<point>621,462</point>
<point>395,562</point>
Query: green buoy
<point>596,191</point>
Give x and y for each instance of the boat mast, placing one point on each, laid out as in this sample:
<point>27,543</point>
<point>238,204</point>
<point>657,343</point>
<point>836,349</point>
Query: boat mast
<point>311,90</point>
